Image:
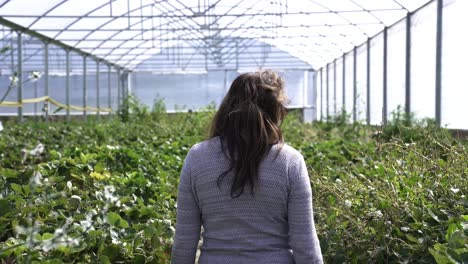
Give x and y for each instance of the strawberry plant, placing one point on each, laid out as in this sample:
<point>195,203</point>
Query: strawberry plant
<point>87,192</point>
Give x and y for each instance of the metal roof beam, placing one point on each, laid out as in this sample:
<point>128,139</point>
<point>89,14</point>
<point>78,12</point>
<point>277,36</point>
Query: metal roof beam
<point>44,38</point>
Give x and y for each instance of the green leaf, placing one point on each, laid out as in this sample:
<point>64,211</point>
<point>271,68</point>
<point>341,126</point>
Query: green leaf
<point>17,188</point>
<point>149,231</point>
<point>47,236</point>
<point>5,207</point>
<point>450,230</point>
<point>26,189</point>
<point>9,173</point>
<point>412,239</point>
<point>439,258</point>
<point>457,240</point>
<point>116,220</point>
<point>454,256</point>
<point>112,251</point>
<point>434,216</point>
<point>113,218</point>
<point>105,260</point>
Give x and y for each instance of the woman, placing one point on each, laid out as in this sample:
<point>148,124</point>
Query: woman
<point>249,190</point>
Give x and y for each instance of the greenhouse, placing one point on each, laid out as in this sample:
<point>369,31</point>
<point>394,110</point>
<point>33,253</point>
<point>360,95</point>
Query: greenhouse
<point>100,102</point>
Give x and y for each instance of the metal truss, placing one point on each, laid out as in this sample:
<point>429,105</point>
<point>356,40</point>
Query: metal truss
<point>127,33</point>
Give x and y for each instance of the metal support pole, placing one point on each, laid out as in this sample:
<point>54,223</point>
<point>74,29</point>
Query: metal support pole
<point>12,54</point>
<point>46,79</point>
<point>321,94</point>
<point>109,87</point>
<point>354,84</point>
<point>328,92</point>
<point>67,83</point>
<point>122,80</point>
<point>97,90</point>
<point>126,87</point>
<point>20,75</point>
<point>368,117</point>
<point>119,89</point>
<point>35,96</point>
<point>85,94</point>
<point>438,81</point>
<point>314,94</point>
<point>344,85</point>
<point>334,87</point>
<point>408,66</point>
<point>385,64</point>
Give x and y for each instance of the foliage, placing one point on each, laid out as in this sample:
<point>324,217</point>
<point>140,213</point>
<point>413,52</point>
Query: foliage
<point>105,191</point>
<point>405,126</point>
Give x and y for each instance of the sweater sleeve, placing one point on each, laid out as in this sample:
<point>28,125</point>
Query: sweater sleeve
<point>302,234</point>
<point>188,220</point>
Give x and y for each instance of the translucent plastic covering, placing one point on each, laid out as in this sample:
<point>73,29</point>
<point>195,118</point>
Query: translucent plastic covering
<point>410,67</point>
<point>128,32</point>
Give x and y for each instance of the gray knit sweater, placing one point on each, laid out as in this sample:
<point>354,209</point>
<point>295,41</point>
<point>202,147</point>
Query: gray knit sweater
<point>276,225</point>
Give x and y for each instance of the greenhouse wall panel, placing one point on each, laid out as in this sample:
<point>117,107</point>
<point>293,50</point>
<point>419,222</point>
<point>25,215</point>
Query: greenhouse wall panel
<point>339,85</point>
<point>396,68</point>
<point>361,83</point>
<point>349,84</point>
<point>454,58</point>
<point>423,54</point>
<point>376,79</point>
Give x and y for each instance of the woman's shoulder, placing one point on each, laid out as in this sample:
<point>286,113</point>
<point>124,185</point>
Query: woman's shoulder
<point>287,151</point>
<point>208,146</point>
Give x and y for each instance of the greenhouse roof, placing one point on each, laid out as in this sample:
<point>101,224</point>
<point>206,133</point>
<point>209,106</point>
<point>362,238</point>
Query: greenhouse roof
<point>126,33</point>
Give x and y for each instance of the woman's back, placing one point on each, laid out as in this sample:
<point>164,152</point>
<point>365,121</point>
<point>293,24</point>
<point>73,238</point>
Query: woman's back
<point>250,191</point>
<point>265,227</point>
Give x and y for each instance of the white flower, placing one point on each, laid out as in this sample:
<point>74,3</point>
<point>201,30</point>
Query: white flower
<point>76,197</point>
<point>376,214</point>
<point>36,178</point>
<point>455,190</point>
<point>58,232</point>
<point>430,192</point>
<point>69,185</point>
<point>87,224</point>
<point>38,150</point>
<point>348,203</point>
<point>339,181</point>
<point>1,126</point>
<point>112,147</point>
<point>404,228</point>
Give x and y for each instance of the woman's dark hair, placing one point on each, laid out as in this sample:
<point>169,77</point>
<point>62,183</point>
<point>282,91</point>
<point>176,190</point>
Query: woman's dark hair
<point>248,122</point>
